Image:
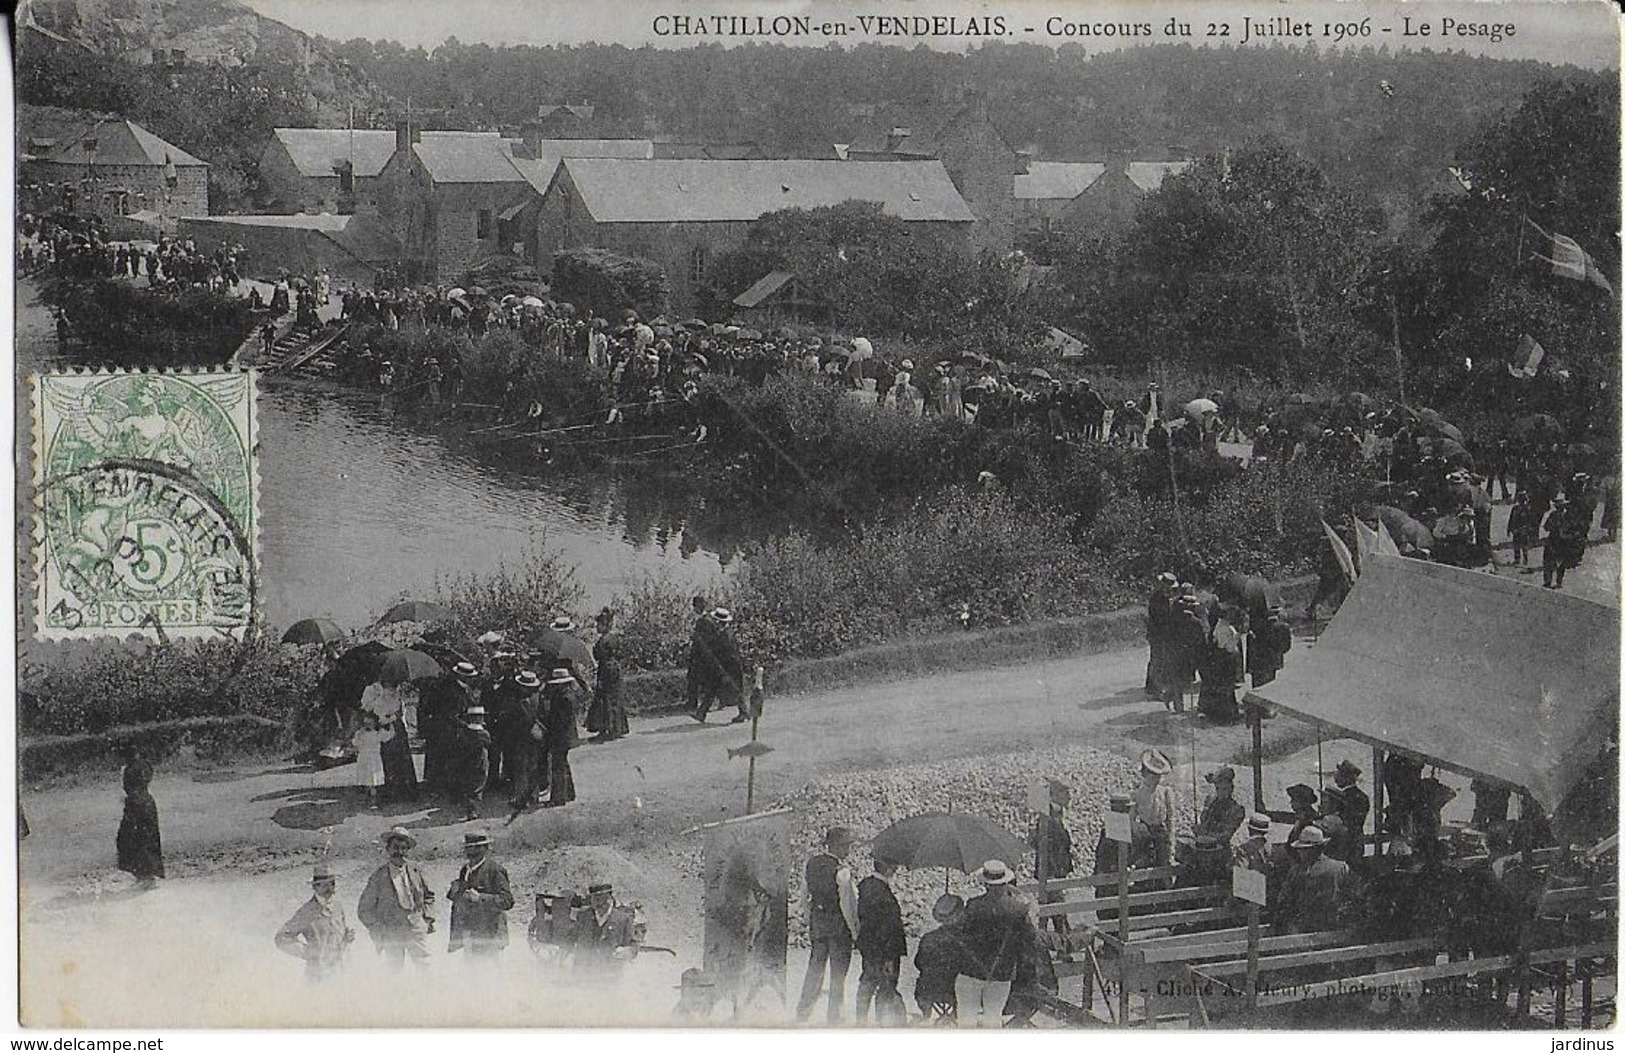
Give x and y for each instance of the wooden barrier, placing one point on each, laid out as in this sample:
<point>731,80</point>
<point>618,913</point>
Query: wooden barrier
<point>1212,976</point>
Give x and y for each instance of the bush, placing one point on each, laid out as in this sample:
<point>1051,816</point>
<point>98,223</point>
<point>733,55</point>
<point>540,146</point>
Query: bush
<point>88,690</point>
<point>131,325</point>
<point>517,599</point>
<point>654,615</point>
<point>606,284</point>
<point>981,552</point>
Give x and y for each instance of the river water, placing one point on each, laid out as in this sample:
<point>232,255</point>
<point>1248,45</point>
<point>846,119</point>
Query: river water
<point>358,509</point>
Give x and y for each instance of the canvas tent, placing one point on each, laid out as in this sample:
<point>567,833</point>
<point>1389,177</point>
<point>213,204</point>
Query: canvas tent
<point>1464,670</point>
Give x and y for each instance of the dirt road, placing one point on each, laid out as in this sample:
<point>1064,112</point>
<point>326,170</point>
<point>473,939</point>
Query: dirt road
<point>237,841</point>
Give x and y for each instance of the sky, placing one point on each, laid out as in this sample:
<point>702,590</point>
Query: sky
<point>1584,32</point>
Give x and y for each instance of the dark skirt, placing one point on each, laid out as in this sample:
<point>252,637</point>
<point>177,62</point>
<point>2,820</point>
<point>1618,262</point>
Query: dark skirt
<point>561,782</point>
<point>400,776</point>
<point>607,716</point>
<point>140,847</point>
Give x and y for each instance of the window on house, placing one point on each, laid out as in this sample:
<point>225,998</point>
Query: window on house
<point>482,227</point>
<point>696,265</point>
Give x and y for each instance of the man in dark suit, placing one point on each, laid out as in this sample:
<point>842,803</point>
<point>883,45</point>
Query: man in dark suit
<point>832,921</point>
<point>605,936</point>
<point>515,732</point>
<point>1355,806</point>
<point>559,719</point>
<point>480,899</point>
<point>700,672</point>
<point>882,944</point>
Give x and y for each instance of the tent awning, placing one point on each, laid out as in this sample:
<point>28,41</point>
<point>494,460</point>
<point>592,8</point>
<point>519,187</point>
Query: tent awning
<point>1473,672</point>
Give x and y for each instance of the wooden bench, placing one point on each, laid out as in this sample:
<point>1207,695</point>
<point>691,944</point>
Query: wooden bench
<point>1355,982</point>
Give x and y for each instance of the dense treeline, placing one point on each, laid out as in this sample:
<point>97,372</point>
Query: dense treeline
<point>1328,105</point>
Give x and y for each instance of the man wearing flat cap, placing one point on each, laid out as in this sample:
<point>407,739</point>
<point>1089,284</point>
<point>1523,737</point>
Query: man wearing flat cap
<point>605,937</point>
<point>480,899</point>
<point>832,923</point>
<point>318,932</point>
<point>396,905</point>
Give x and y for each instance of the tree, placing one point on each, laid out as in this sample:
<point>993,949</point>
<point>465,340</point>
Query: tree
<point>1245,261</point>
<point>606,283</point>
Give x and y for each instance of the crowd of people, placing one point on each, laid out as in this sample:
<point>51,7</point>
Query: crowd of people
<point>968,967</point>
<point>83,249</point>
<point>592,935</point>
<point>483,728</point>
<point>1214,640</point>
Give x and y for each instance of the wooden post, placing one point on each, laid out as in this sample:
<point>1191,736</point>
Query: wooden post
<point>750,777</point>
<point>1123,933</point>
<point>1376,800</point>
<point>1560,1011</point>
<point>1252,956</point>
<point>1255,716</point>
<point>1583,967</point>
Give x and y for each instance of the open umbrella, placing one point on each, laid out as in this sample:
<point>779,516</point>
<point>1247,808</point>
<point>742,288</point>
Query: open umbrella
<point>1039,374</point>
<point>942,839</point>
<point>862,348</point>
<point>401,666</point>
<point>1405,530</point>
<point>556,647</point>
<point>416,611</point>
<point>533,301</point>
<point>456,293</point>
<point>313,631</point>
<point>1195,408</point>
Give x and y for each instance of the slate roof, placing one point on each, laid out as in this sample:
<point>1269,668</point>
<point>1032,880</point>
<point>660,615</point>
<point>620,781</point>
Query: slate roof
<point>120,143</point>
<point>1148,175</point>
<point>314,150</point>
<point>468,157</point>
<point>539,171</point>
<point>620,191</point>
<point>1057,180</point>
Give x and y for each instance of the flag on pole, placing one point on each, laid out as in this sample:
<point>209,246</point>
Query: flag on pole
<point>1526,359</point>
<point>1568,260</point>
<point>1345,558</point>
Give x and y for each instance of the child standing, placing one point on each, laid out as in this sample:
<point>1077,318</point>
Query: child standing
<point>140,847</point>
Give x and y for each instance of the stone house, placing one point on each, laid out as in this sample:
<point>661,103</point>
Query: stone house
<point>324,169</point>
<point>109,167</point>
<point>683,215</point>
<point>449,199</point>
<point>981,163</point>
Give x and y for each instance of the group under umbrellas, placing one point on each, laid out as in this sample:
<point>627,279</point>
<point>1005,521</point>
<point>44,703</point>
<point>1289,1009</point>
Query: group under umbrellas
<point>944,839</point>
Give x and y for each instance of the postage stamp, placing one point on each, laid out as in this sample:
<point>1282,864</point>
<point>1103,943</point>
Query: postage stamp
<point>145,500</point>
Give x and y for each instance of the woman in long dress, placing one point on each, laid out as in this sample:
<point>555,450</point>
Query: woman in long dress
<point>607,717</point>
<point>391,704</point>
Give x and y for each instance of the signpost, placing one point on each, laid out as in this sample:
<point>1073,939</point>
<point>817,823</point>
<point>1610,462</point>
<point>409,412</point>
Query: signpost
<point>1249,885</point>
<point>1117,829</point>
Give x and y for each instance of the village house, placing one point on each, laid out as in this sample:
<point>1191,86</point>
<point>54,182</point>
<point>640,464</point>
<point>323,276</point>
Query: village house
<point>323,169</point>
<point>683,215</point>
<point>107,167</point>
<point>975,154</point>
<point>562,121</point>
<point>450,199</point>
<point>1087,196</point>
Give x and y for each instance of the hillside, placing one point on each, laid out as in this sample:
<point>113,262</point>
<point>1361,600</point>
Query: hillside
<point>211,76</point>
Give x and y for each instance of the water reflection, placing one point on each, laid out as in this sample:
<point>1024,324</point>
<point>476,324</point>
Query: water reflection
<point>358,510</point>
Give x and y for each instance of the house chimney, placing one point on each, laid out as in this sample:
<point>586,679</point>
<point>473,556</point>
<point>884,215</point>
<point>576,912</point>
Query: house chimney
<point>896,138</point>
<point>403,136</point>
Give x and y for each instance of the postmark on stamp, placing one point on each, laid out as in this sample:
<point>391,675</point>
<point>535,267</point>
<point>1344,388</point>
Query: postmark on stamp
<point>145,503</point>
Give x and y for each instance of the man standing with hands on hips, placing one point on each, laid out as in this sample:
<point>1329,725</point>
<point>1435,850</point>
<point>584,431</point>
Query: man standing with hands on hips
<point>832,923</point>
